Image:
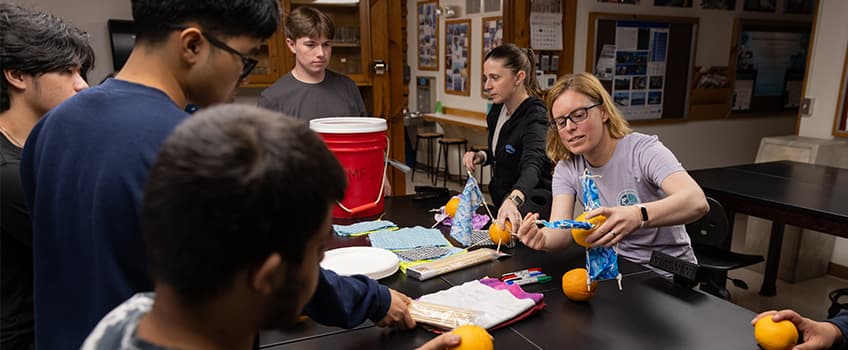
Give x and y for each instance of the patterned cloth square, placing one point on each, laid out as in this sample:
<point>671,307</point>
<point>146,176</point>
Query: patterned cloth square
<point>408,238</point>
<point>361,228</point>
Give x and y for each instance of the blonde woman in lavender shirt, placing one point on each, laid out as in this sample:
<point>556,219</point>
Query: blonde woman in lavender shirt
<point>645,193</point>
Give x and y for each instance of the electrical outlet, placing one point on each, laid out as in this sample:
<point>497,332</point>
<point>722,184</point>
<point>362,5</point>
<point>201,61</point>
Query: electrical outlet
<point>806,107</point>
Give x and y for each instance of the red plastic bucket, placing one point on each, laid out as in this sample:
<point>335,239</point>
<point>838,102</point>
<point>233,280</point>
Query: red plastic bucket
<point>360,146</point>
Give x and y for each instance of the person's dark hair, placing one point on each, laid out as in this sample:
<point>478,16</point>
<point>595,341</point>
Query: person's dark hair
<point>308,22</point>
<point>35,43</point>
<point>230,186</point>
<point>154,19</point>
<point>517,59</point>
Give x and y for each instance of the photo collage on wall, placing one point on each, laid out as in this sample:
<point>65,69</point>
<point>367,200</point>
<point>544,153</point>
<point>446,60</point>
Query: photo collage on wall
<point>636,64</point>
<point>492,38</point>
<point>428,36</point>
<point>457,56</point>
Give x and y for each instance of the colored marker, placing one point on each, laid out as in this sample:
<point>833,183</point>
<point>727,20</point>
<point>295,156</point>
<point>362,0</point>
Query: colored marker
<point>531,280</point>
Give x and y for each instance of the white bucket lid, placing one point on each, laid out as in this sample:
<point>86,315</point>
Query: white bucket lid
<point>347,125</point>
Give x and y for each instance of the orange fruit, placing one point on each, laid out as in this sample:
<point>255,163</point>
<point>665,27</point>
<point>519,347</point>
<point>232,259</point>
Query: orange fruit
<point>775,335</point>
<point>574,285</point>
<point>450,207</point>
<point>580,234</point>
<point>498,235</point>
<point>473,338</point>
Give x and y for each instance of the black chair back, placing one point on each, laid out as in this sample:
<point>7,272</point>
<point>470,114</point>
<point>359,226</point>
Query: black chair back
<point>713,229</point>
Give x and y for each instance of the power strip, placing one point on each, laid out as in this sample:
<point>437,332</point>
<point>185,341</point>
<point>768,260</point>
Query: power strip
<point>677,267</point>
<point>452,263</point>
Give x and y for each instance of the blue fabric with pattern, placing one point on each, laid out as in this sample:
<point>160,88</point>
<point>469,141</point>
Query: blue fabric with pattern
<point>469,200</point>
<point>601,262</point>
<point>566,224</point>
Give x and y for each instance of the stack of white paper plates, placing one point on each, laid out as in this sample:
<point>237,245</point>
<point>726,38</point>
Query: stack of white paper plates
<point>373,262</point>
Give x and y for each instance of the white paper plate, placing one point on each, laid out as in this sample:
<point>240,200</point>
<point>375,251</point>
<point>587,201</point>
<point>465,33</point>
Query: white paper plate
<point>373,262</point>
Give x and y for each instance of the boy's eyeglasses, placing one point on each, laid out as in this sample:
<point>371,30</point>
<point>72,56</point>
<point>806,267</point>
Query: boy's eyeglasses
<point>248,64</point>
<point>576,116</point>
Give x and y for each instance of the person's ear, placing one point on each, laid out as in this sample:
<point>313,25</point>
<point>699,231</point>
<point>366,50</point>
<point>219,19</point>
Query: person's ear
<point>269,274</point>
<point>519,78</point>
<point>191,43</point>
<point>291,44</point>
<point>15,78</point>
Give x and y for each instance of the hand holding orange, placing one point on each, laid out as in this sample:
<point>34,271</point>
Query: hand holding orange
<point>580,234</point>
<point>775,335</point>
<point>473,338</point>
<point>574,285</point>
<point>451,206</point>
<point>498,235</point>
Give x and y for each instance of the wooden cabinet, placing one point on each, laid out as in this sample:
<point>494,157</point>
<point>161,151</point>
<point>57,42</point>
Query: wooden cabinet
<point>270,66</point>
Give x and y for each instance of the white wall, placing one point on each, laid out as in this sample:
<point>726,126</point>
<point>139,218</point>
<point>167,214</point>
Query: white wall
<point>828,55</point>
<point>90,16</point>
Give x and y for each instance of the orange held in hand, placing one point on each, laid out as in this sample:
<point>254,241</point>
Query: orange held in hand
<point>580,234</point>
<point>450,208</point>
<point>473,338</point>
<point>574,285</point>
<point>498,235</point>
<point>775,335</point>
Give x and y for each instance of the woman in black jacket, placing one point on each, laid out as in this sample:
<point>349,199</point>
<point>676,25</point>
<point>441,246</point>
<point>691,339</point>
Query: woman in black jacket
<point>517,123</point>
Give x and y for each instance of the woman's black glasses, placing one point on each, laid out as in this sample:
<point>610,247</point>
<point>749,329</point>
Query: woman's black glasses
<point>576,116</point>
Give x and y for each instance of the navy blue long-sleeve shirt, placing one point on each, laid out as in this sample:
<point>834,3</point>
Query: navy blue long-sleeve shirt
<point>841,321</point>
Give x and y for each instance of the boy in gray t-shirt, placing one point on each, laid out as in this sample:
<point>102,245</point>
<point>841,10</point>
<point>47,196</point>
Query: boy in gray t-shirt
<point>311,91</point>
<point>633,175</point>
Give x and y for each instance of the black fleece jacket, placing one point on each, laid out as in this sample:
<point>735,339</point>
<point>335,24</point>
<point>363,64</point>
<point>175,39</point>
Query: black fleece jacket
<point>520,162</point>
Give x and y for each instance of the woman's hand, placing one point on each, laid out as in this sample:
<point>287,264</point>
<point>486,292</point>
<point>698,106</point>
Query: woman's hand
<point>470,159</point>
<point>621,221</point>
<point>509,211</point>
<point>530,234</point>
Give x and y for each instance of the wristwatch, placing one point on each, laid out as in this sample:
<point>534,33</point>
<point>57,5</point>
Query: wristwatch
<point>515,198</point>
<point>644,215</point>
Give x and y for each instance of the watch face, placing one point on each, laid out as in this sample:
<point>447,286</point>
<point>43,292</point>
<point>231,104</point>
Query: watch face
<point>644,213</point>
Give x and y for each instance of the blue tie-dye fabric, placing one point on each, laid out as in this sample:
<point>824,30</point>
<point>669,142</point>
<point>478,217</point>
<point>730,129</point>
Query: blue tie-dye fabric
<point>566,224</point>
<point>601,262</point>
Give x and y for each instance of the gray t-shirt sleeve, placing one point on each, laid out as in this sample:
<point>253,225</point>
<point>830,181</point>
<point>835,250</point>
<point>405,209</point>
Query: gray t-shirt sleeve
<point>565,179</point>
<point>656,161</point>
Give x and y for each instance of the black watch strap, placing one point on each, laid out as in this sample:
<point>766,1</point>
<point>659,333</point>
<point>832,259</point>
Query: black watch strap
<point>516,199</point>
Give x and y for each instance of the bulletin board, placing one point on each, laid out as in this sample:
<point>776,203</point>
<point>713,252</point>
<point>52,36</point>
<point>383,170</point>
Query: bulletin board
<point>768,66</point>
<point>840,122</point>
<point>644,62</point>
<point>428,35</point>
<point>492,37</point>
<point>458,57</point>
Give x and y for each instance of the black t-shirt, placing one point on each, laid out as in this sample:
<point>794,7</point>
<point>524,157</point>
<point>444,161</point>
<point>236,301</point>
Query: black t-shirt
<point>16,325</point>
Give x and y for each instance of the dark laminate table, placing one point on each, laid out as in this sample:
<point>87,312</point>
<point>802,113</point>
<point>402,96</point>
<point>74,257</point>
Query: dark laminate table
<point>799,194</point>
<point>649,313</point>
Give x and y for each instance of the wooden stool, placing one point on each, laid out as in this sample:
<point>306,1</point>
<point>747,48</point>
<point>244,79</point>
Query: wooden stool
<point>478,148</point>
<point>429,137</point>
<point>444,144</point>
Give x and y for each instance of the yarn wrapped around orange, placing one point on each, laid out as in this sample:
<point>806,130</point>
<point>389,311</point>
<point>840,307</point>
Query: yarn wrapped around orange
<point>574,285</point>
<point>775,335</point>
<point>498,235</point>
<point>473,338</point>
<point>451,206</point>
<point>580,234</point>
